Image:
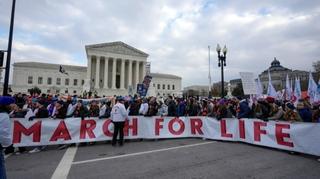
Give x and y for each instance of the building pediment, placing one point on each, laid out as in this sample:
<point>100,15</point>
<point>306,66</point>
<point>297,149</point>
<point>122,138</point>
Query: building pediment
<point>116,47</point>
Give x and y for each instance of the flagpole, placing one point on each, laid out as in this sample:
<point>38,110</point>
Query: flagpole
<point>209,71</point>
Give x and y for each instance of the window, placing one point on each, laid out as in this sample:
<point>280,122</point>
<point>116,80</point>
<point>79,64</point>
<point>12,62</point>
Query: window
<point>154,85</point>
<point>39,80</point>
<point>158,86</point>
<point>168,87</point>
<point>75,82</point>
<point>163,86</point>
<point>57,91</point>
<point>49,82</point>
<point>30,78</point>
<point>48,91</point>
<point>82,82</point>
<point>66,82</point>
<point>66,91</point>
<point>58,81</point>
<point>74,92</point>
<point>172,87</point>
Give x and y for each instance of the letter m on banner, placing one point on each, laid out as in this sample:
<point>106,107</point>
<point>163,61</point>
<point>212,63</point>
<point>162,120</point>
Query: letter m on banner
<point>35,129</point>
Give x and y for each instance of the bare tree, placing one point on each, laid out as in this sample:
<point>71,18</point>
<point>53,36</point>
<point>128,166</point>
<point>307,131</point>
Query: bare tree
<point>316,66</point>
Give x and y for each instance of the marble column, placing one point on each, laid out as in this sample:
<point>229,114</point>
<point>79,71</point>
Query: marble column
<point>114,63</point>
<point>89,68</point>
<point>130,74</point>
<point>97,80</point>
<point>106,71</point>
<point>122,74</point>
<point>143,70</point>
<point>137,74</point>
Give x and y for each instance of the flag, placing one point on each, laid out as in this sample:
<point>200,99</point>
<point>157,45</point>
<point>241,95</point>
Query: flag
<point>62,70</point>
<point>288,90</point>
<point>293,97</point>
<point>271,91</point>
<point>297,89</point>
<point>317,95</point>
<point>259,88</point>
<point>312,88</point>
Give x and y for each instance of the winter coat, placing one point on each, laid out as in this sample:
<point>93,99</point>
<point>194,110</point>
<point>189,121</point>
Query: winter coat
<point>305,114</point>
<point>181,109</point>
<point>244,110</point>
<point>172,108</point>
<point>42,113</point>
<point>193,109</point>
<point>94,111</point>
<point>81,112</point>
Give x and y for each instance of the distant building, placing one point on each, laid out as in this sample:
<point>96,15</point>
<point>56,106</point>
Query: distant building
<point>114,68</point>
<point>233,83</point>
<point>278,75</point>
<point>196,90</point>
<point>166,84</point>
<point>47,77</point>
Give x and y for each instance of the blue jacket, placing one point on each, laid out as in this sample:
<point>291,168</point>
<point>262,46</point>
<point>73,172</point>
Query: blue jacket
<point>244,110</point>
<point>181,109</point>
<point>305,114</point>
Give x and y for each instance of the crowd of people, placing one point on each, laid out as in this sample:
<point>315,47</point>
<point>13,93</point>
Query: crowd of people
<point>118,109</point>
<point>61,107</point>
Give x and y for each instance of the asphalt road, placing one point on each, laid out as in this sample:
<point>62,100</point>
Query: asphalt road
<point>174,158</point>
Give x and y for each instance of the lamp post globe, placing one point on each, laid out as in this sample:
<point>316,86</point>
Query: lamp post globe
<point>222,63</point>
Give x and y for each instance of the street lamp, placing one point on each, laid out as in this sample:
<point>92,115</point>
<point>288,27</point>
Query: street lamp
<point>6,77</point>
<point>222,63</point>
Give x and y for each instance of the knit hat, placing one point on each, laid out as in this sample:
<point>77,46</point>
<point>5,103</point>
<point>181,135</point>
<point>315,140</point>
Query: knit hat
<point>270,99</point>
<point>120,98</point>
<point>278,103</point>
<point>300,105</point>
<point>221,102</point>
<point>60,102</point>
<point>34,100</point>
<point>6,100</point>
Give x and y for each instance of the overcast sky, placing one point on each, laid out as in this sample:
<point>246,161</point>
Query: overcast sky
<point>175,34</point>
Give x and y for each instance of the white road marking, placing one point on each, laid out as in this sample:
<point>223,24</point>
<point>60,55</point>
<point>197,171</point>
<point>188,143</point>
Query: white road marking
<point>64,166</point>
<point>6,156</point>
<point>140,153</point>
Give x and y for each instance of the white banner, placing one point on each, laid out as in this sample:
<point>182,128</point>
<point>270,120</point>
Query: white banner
<point>248,83</point>
<point>299,137</point>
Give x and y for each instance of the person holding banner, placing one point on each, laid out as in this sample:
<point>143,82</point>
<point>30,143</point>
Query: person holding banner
<point>5,130</point>
<point>119,115</point>
<point>316,113</point>
<point>291,114</point>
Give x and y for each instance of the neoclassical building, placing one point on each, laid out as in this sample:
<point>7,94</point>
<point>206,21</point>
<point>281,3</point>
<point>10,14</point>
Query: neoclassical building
<point>166,84</point>
<point>194,90</point>
<point>113,69</point>
<point>47,77</point>
<point>278,75</point>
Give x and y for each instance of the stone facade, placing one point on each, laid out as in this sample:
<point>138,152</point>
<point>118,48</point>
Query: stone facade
<point>47,77</point>
<point>115,67</point>
<point>165,84</point>
<point>196,90</point>
<point>278,75</point>
<point>120,68</point>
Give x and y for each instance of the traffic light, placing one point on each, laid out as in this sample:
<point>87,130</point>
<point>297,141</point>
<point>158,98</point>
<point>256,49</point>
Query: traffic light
<point>1,58</point>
